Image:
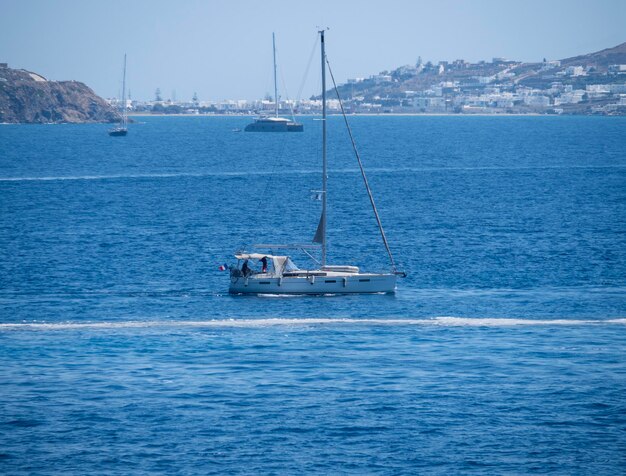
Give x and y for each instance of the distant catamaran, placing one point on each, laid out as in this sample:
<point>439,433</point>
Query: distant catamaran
<point>279,274</point>
<point>122,129</point>
<point>274,123</point>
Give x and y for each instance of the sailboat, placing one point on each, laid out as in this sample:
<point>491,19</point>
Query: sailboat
<point>274,123</point>
<point>122,129</point>
<point>280,275</point>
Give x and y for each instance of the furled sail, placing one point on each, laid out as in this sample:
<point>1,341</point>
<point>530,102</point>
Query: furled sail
<point>319,234</point>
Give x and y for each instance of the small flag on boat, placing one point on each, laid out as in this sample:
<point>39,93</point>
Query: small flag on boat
<point>223,267</point>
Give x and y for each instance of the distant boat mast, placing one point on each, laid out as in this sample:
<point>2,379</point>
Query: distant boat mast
<point>275,84</point>
<point>122,129</point>
<point>124,119</point>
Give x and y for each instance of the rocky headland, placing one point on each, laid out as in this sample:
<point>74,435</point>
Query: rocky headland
<point>27,97</point>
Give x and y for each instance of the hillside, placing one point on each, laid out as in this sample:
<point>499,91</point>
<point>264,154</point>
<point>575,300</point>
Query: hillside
<point>27,97</point>
<point>600,59</point>
<point>593,83</point>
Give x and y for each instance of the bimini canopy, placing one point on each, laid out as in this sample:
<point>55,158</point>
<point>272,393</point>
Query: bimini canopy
<point>252,256</point>
<point>280,263</point>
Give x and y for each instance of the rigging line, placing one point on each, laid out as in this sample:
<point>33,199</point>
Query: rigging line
<point>282,79</point>
<point>306,72</point>
<point>269,178</point>
<point>283,144</point>
<point>316,261</point>
<point>356,152</point>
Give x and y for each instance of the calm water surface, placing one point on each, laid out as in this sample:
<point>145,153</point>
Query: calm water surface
<point>503,351</point>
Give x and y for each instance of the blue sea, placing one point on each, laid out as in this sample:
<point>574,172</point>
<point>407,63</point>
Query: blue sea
<point>502,352</point>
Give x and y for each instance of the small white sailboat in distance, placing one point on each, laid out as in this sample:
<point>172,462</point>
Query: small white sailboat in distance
<point>280,275</point>
<point>274,123</point>
<point>122,129</point>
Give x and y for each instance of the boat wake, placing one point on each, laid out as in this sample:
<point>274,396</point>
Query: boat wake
<point>151,176</point>
<point>350,171</point>
<point>294,322</point>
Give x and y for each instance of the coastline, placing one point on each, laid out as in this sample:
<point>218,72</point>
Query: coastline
<point>391,114</point>
<point>144,115</point>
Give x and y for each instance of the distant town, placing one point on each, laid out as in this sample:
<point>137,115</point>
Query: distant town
<point>591,84</point>
<point>587,84</point>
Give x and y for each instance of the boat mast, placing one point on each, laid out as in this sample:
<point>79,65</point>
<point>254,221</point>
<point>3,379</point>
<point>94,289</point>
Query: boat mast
<point>124,94</point>
<point>324,175</point>
<point>275,85</point>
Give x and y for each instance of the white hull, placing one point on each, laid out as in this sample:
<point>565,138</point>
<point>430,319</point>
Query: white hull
<point>348,284</point>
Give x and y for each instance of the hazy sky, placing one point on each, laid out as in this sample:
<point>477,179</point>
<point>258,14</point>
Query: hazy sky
<point>223,49</point>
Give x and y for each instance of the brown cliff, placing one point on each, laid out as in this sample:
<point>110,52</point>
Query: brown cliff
<point>27,97</point>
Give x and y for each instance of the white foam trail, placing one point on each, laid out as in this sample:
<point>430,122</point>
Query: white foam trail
<point>90,177</point>
<point>142,176</point>
<point>285,322</point>
<point>296,172</point>
<point>504,322</point>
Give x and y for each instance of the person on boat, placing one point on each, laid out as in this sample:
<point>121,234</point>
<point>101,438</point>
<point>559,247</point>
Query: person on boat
<point>245,269</point>
<point>264,263</point>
